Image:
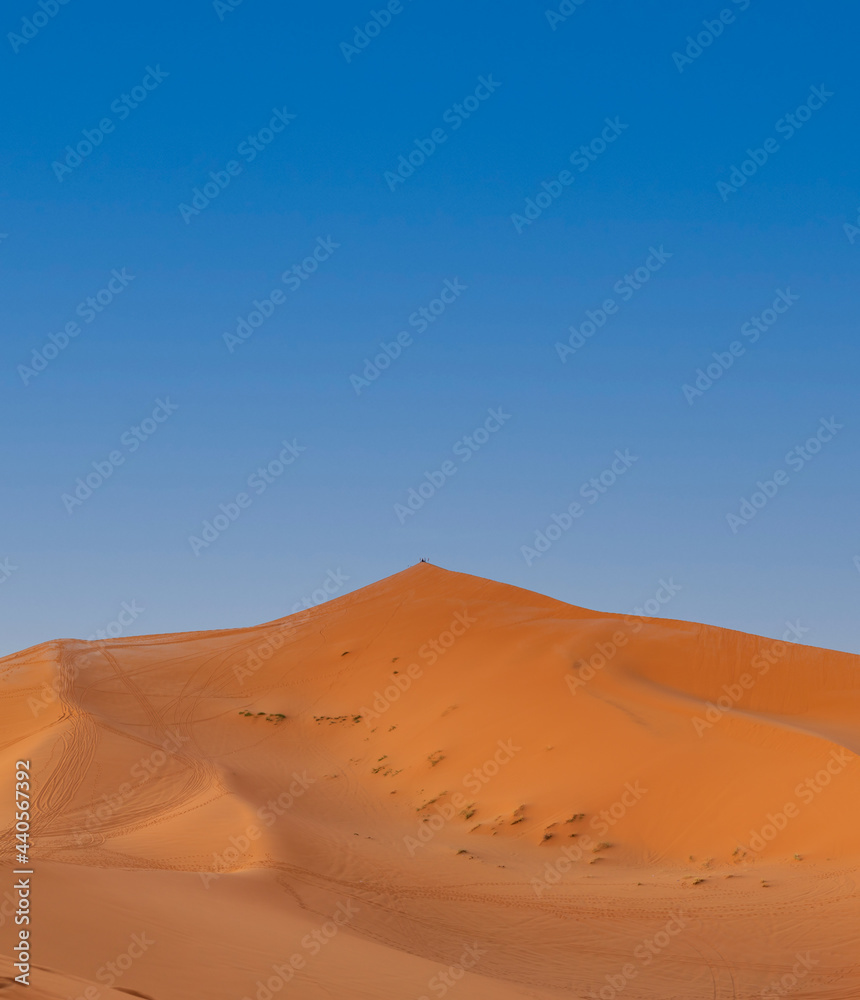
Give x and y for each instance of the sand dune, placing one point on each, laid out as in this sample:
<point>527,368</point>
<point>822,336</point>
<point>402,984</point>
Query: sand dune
<point>438,784</point>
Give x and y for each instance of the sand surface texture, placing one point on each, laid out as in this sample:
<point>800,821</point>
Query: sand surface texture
<point>437,785</point>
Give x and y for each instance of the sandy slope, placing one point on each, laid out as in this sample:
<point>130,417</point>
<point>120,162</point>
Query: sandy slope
<point>444,785</point>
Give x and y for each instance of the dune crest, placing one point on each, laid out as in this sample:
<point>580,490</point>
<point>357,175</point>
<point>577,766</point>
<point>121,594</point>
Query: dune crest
<point>440,783</point>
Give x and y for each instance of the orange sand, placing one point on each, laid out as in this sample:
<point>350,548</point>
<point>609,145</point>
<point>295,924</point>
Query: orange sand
<point>431,797</point>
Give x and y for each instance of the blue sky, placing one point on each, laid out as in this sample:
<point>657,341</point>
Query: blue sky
<point>590,208</point>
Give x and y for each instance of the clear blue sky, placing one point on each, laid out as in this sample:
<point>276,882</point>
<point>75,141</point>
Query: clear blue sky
<point>176,164</point>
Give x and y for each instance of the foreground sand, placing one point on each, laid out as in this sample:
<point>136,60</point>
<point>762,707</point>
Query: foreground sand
<point>419,790</point>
